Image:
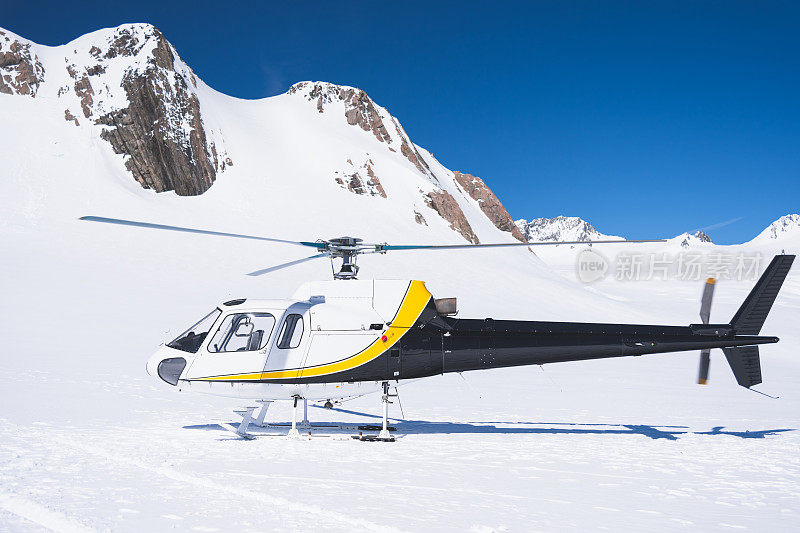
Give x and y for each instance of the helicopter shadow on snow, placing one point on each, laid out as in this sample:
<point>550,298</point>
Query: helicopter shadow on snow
<point>405,426</point>
<point>415,427</point>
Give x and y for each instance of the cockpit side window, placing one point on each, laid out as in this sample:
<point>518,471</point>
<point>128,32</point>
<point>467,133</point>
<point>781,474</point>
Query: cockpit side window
<point>191,339</point>
<point>291,332</point>
<point>242,332</point>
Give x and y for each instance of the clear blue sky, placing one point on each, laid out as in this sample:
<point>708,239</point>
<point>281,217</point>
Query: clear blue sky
<point>645,118</point>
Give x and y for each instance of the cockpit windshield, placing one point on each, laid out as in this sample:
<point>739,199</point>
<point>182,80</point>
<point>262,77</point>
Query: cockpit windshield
<point>191,339</point>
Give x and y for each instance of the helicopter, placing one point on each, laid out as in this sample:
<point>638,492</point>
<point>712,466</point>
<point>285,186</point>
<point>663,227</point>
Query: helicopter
<point>347,337</point>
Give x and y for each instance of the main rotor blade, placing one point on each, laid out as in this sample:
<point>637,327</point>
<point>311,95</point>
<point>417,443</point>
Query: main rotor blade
<point>499,245</point>
<point>150,225</point>
<point>284,265</point>
<point>705,301</point>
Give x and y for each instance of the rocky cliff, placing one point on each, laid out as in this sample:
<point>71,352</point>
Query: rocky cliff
<point>161,130</point>
<point>446,206</point>
<point>129,83</point>
<point>489,203</point>
<point>21,72</point>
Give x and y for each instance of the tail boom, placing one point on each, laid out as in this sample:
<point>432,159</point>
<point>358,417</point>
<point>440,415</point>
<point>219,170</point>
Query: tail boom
<point>440,344</point>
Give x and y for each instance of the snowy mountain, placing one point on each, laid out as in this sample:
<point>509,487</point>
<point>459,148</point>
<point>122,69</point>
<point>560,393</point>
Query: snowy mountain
<point>563,228</point>
<point>688,240</point>
<point>560,228</point>
<point>129,87</point>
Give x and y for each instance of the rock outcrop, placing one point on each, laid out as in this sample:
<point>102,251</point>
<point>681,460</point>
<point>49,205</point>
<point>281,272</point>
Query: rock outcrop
<point>488,203</point>
<point>68,116</point>
<point>21,72</point>
<point>443,203</point>
<point>693,239</point>
<point>702,236</point>
<point>352,179</point>
<point>83,90</point>
<point>360,110</point>
<point>410,151</point>
<point>161,130</point>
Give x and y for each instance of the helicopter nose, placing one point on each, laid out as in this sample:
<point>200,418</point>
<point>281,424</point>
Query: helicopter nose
<point>152,365</point>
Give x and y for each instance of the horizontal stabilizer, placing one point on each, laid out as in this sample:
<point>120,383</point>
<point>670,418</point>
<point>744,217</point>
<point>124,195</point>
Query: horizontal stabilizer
<point>746,365</point>
<point>753,312</point>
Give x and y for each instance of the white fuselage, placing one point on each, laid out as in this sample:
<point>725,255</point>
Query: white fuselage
<point>337,324</point>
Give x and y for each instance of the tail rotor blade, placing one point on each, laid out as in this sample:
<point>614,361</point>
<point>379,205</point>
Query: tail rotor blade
<point>705,360</point>
<point>705,315</point>
<point>705,301</point>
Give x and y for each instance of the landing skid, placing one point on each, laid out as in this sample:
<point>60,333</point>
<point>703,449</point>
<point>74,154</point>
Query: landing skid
<point>233,429</point>
<point>372,438</point>
<point>334,425</point>
<point>294,428</point>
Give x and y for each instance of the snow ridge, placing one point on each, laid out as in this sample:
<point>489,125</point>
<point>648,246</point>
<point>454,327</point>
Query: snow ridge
<point>560,228</point>
<point>786,228</point>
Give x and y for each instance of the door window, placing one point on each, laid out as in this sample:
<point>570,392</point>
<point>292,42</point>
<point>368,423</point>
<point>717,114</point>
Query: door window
<point>291,332</point>
<point>242,332</point>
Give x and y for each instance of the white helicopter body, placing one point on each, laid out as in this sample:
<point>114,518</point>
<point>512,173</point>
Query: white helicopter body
<point>249,347</point>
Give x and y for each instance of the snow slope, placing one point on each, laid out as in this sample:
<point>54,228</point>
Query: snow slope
<point>89,442</point>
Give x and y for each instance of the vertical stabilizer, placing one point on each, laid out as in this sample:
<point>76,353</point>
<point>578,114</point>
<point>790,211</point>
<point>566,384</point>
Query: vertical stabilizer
<point>753,312</point>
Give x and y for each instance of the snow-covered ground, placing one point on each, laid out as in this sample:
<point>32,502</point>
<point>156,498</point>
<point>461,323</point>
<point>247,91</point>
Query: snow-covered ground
<point>89,442</point>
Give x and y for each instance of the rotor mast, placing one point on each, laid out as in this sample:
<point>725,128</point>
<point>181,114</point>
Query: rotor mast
<point>348,250</point>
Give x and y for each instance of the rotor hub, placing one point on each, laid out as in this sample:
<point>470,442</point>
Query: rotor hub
<point>346,248</point>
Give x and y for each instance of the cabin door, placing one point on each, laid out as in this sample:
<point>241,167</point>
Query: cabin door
<point>238,347</point>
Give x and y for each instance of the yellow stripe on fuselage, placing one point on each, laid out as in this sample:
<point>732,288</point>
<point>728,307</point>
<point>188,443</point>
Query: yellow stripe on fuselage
<point>414,302</point>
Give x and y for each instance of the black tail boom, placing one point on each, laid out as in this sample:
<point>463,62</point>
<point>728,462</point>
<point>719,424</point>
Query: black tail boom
<point>480,344</point>
<point>445,344</point>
